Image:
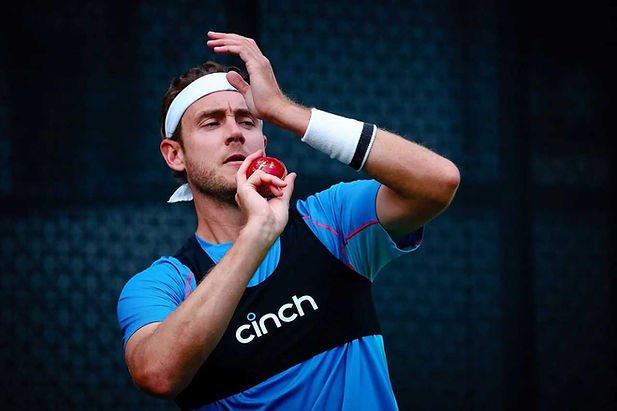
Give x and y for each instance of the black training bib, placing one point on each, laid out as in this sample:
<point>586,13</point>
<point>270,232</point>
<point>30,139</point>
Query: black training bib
<point>311,303</point>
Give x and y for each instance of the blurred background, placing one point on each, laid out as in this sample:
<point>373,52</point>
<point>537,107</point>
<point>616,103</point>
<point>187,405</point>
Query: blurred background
<point>508,305</point>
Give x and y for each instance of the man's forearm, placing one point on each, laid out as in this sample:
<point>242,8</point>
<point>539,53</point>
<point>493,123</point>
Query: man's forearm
<point>172,354</point>
<point>411,170</point>
<point>418,184</point>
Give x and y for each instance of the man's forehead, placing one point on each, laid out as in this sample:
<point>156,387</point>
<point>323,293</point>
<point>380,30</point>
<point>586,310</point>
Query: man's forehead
<point>220,100</point>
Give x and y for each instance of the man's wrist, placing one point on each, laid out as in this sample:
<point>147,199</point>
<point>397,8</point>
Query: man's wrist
<point>344,139</point>
<point>291,116</point>
<point>258,234</point>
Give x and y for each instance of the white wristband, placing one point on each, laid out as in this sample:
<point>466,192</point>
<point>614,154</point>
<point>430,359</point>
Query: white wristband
<point>346,140</point>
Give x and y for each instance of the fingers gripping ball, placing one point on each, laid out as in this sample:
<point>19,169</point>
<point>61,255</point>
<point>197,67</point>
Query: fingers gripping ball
<point>270,165</point>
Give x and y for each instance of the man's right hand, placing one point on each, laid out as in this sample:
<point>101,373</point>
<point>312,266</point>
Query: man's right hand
<point>267,217</point>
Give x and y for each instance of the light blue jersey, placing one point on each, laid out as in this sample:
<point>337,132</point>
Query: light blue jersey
<point>353,376</point>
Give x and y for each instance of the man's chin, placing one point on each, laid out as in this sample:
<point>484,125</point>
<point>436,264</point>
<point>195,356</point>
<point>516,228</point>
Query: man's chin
<point>221,195</point>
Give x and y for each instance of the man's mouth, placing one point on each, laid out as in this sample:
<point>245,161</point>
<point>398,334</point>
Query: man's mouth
<point>234,157</point>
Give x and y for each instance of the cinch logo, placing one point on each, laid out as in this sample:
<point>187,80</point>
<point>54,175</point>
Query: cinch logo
<point>284,314</point>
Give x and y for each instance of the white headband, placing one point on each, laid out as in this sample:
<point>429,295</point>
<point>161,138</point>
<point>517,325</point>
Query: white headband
<point>203,86</point>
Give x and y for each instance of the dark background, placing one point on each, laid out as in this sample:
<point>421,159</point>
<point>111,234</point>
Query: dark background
<point>510,302</point>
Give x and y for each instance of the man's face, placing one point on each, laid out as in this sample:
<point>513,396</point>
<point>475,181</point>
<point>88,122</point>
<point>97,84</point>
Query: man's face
<point>218,132</point>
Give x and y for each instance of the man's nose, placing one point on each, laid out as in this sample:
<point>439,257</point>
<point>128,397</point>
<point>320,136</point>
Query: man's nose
<point>234,133</point>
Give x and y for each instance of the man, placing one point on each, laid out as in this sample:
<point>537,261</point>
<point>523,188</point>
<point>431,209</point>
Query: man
<point>268,305</point>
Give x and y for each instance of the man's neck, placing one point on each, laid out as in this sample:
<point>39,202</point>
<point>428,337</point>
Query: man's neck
<point>218,222</point>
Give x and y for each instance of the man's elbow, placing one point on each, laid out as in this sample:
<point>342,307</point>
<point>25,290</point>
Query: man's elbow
<point>449,181</point>
<point>156,382</point>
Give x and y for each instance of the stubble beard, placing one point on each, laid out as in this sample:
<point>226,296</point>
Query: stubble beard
<point>208,183</point>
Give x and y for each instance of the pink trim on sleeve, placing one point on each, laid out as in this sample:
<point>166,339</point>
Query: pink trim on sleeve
<point>343,248</point>
<point>188,284</point>
<point>349,236</point>
<point>318,224</point>
<point>357,230</point>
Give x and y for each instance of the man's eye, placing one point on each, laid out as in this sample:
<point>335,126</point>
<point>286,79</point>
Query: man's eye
<point>211,124</point>
<point>248,123</point>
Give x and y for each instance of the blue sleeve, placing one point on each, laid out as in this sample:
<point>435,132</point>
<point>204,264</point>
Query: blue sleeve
<point>344,218</point>
<point>151,295</point>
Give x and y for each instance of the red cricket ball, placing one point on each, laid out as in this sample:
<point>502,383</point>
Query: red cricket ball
<point>270,165</point>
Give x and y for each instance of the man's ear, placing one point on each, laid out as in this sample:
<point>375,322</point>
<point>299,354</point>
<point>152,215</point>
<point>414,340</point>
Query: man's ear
<point>265,142</point>
<point>172,154</point>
